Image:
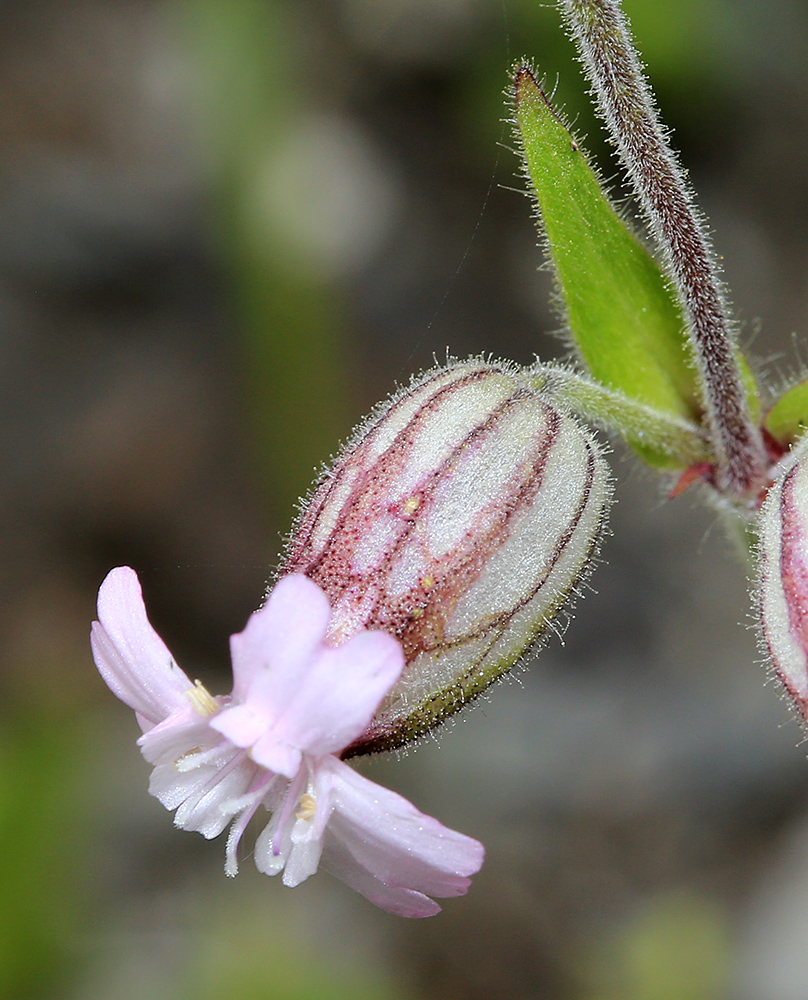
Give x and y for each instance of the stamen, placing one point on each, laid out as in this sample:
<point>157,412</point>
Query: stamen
<point>184,761</point>
<point>308,807</point>
<point>196,757</point>
<point>247,806</point>
<point>202,700</point>
<point>283,815</point>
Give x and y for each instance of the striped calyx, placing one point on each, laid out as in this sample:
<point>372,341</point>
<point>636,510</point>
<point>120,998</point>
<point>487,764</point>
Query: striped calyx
<point>782,581</point>
<point>459,519</point>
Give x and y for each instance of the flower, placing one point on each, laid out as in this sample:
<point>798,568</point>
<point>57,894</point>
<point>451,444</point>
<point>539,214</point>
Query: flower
<point>297,702</point>
<point>460,519</point>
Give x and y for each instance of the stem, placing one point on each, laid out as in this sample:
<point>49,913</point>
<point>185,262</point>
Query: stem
<point>601,32</point>
<point>641,425</point>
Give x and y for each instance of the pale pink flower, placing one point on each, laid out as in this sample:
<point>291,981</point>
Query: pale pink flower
<point>297,702</point>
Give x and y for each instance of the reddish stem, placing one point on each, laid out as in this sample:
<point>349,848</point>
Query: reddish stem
<point>602,35</point>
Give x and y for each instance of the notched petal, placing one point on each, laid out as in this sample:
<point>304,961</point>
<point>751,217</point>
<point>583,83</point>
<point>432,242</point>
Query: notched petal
<point>378,833</point>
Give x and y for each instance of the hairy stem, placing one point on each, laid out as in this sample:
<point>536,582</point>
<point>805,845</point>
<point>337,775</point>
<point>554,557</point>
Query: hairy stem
<point>602,35</point>
<point>684,442</point>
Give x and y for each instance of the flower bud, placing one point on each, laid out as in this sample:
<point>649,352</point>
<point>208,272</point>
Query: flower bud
<point>783,577</point>
<point>459,518</point>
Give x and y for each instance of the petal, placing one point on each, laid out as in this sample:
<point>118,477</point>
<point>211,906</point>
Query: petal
<point>245,727</point>
<point>279,640</point>
<point>297,694</point>
<point>201,796</point>
<point>131,656</point>
<point>303,861</point>
<point>375,832</point>
<point>292,840</point>
<point>403,902</point>
<point>179,736</point>
<point>311,819</point>
<point>336,699</point>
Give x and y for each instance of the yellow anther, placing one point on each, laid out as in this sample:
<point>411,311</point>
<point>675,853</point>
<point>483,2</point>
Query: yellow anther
<point>185,762</point>
<point>427,581</point>
<point>308,807</point>
<point>411,505</point>
<point>417,613</point>
<point>202,700</point>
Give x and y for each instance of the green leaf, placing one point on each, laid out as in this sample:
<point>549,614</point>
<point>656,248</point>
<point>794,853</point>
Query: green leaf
<point>788,418</point>
<point>624,320</point>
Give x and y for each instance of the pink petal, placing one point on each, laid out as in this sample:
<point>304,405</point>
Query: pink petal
<point>299,695</point>
<point>403,902</point>
<point>131,656</point>
<point>244,727</point>
<point>280,639</point>
<point>337,697</point>
<point>381,845</point>
<point>176,736</point>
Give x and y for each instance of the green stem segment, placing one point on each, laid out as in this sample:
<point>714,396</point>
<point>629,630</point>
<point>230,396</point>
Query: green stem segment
<point>604,43</point>
<point>645,427</point>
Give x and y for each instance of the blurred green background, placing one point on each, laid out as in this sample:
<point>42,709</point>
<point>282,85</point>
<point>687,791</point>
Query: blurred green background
<point>227,228</point>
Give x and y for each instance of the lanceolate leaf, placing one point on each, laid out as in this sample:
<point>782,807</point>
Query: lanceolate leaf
<point>625,323</point>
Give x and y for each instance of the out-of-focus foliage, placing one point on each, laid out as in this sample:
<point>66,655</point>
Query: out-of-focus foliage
<point>254,104</point>
<point>46,865</point>
<point>676,947</point>
<point>248,954</point>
